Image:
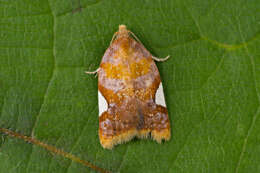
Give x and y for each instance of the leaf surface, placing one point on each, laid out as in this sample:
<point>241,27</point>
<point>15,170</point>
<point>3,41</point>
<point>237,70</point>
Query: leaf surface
<point>211,83</point>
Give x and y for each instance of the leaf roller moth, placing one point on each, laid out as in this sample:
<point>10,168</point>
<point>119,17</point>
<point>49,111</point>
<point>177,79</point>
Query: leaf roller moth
<point>130,93</point>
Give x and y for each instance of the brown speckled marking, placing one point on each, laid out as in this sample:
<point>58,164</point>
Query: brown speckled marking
<point>128,79</point>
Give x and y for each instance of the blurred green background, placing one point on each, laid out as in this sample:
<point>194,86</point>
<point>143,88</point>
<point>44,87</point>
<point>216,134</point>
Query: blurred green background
<point>211,83</point>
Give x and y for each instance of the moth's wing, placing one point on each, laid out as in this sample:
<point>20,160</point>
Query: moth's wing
<point>113,132</point>
<point>156,119</point>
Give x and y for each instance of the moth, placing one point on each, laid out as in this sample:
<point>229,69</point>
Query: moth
<point>130,93</point>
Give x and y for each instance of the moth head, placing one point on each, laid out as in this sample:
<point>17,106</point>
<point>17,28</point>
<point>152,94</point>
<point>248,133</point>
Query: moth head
<point>122,31</point>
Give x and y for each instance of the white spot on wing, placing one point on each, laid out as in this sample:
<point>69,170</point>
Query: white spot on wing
<point>102,103</point>
<point>159,96</point>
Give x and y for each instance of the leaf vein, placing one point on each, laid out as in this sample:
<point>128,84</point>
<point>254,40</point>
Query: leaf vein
<point>122,159</point>
<point>67,12</point>
<point>257,112</point>
<point>186,140</point>
<point>252,124</point>
<point>49,84</point>
<point>77,140</point>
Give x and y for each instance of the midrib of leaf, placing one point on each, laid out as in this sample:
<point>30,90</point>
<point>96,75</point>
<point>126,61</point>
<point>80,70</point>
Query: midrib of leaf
<point>52,149</point>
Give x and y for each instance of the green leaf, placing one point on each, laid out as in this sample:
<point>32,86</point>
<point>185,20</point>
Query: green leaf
<point>211,83</point>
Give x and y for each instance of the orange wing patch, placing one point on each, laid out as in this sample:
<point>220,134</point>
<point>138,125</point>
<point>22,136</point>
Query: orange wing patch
<point>128,83</point>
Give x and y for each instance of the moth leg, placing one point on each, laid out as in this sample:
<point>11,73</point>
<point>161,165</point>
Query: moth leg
<point>160,59</point>
<point>160,124</point>
<point>93,72</point>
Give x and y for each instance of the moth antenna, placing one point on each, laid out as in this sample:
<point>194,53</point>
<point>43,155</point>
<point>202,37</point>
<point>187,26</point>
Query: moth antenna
<point>114,37</point>
<point>154,58</point>
<point>135,37</point>
<point>160,59</point>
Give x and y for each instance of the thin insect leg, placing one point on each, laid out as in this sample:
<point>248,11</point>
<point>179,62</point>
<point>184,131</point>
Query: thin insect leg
<point>92,72</point>
<point>160,59</point>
